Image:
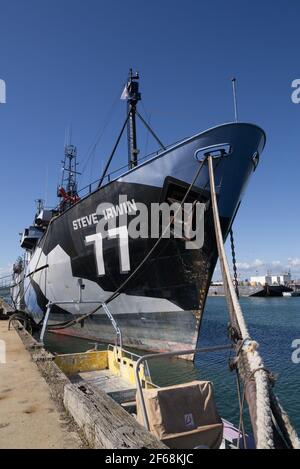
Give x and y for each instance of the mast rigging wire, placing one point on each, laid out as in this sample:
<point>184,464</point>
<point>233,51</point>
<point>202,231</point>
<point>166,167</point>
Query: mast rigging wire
<point>90,153</point>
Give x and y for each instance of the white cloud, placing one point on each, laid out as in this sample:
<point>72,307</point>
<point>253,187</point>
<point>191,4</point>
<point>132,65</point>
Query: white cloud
<point>246,268</point>
<point>243,265</point>
<point>276,266</point>
<point>294,261</point>
<point>250,265</point>
<point>258,263</point>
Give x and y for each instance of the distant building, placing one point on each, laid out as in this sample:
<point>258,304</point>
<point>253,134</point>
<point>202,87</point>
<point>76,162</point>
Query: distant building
<point>283,279</point>
<point>258,280</point>
<point>295,285</point>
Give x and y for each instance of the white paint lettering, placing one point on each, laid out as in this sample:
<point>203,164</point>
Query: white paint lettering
<point>121,232</point>
<point>97,241</point>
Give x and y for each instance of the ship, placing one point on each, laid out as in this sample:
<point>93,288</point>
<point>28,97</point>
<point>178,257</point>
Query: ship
<point>154,286</point>
<point>253,291</point>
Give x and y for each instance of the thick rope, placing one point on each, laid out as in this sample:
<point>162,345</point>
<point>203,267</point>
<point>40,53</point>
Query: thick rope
<point>264,432</point>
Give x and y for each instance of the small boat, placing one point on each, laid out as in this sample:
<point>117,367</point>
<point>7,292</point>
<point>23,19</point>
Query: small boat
<point>182,416</point>
<point>291,293</point>
<point>272,290</point>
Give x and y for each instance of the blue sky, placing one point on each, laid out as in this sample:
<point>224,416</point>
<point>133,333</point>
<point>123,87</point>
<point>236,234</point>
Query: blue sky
<point>65,61</point>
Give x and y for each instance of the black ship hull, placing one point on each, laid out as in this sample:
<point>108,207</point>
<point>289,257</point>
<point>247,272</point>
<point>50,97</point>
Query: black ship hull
<point>272,290</point>
<point>161,307</point>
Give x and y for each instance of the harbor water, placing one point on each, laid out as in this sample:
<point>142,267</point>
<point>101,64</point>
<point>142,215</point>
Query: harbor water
<point>273,322</point>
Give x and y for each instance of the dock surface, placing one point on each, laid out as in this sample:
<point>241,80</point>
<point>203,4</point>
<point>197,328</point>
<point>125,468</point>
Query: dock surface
<point>29,417</point>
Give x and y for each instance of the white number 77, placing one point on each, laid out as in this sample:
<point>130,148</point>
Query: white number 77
<point>96,239</point>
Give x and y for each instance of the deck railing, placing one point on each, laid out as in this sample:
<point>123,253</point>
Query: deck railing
<point>5,282</point>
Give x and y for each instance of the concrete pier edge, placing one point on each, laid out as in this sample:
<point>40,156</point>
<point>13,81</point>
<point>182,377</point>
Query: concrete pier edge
<point>54,377</point>
<point>88,418</point>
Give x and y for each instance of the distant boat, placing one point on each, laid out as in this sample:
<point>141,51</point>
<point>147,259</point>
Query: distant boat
<point>250,290</point>
<point>291,293</point>
<point>273,290</point>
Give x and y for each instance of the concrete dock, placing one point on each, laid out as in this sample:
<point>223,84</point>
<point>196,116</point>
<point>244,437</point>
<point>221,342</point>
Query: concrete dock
<point>29,416</point>
<point>41,408</point>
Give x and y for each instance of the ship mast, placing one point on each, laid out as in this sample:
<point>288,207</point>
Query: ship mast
<point>133,96</point>
<point>67,190</point>
<point>39,205</point>
<point>69,170</point>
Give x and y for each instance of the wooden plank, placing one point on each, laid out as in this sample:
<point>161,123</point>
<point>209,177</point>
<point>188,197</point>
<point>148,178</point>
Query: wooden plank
<point>105,423</point>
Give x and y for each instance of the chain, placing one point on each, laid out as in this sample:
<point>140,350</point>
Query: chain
<point>236,283</point>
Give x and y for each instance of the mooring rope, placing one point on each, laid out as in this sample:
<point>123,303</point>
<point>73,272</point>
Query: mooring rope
<point>249,357</point>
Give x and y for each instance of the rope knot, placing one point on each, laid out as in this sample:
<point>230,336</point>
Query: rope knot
<point>233,333</point>
<point>248,345</point>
